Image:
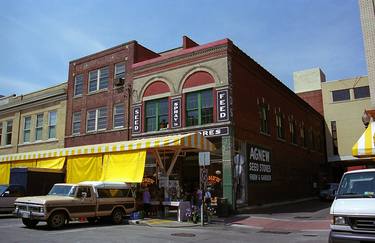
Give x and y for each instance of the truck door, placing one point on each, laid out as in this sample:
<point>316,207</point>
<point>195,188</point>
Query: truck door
<point>85,203</point>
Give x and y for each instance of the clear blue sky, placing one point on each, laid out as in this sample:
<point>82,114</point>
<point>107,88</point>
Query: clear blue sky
<point>39,38</point>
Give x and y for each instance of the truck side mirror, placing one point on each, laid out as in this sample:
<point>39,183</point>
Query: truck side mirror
<point>84,195</point>
<point>6,194</point>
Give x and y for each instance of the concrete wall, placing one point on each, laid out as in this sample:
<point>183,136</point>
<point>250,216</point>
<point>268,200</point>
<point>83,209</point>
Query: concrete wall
<point>367,9</point>
<point>308,80</point>
<point>347,115</point>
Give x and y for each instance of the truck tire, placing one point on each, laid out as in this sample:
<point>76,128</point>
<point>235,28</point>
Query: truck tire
<point>30,223</point>
<point>56,220</point>
<point>117,216</point>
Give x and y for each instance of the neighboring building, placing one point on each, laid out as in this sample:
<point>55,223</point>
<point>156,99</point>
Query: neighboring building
<point>98,94</point>
<point>343,103</point>
<point>35,121</point>
<point>367,9</point>
<point>269,141</point>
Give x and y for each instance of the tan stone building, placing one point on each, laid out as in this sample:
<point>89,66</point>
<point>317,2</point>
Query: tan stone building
<point>35,121</point>
<point>342,103</point>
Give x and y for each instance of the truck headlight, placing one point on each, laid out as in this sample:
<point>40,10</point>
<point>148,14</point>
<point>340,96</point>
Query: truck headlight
<point>339,220</point>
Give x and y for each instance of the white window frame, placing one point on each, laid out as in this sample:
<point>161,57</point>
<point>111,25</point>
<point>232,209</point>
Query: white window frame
<point>75,85</point>
<point>98,79</point>
<point>26,130</point>
<point>118,114</point>
<point>7,133</point>
<point>96,119</point>
<point>50,126</point>
<point>118,64</point>
<point>40,127</point>
<point>74,121</point>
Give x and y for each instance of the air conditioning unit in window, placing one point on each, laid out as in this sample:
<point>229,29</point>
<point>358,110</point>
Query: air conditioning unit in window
<point>119,81</point>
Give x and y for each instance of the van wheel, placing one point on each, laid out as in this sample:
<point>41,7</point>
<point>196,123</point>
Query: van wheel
<point>30,223</point>
<point>56,220</point>
<point>117,216</point>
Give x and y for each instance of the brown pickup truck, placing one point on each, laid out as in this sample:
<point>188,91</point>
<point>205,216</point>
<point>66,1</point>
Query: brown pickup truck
<point>65,202</point>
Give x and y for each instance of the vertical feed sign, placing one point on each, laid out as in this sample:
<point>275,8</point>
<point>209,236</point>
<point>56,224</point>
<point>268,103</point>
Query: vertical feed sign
<point>260,166</point>
<point>222,105</point>
<point>136,119</point>
<point>176,112</point>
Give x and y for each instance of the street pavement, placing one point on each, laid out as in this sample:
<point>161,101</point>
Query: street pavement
<point>295,223</point>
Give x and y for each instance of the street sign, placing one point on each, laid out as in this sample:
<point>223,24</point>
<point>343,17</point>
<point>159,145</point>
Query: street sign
<point>204,158</point>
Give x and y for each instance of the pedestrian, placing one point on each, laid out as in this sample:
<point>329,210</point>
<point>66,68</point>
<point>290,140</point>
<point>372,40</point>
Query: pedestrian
<point>146,201</point>
<point>207,197</point>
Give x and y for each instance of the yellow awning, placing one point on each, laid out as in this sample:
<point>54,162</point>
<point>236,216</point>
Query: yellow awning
<point>364,147</point>
<point>190,141</point>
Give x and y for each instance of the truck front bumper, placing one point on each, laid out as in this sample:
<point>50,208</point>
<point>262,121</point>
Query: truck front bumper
<point>349,237</point>
<point>29,215</point>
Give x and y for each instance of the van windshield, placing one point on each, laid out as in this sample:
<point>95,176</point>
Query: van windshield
<point>63,190</point>
<point>356,185</point>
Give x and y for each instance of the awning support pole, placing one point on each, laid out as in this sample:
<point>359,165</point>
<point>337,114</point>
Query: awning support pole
<point>158,160</point>
<point>175,156</point>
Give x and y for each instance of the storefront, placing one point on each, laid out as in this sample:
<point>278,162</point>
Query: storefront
<point>121,161</point>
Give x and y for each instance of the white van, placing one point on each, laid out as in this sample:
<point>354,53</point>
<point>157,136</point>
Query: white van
<point>353,209</point>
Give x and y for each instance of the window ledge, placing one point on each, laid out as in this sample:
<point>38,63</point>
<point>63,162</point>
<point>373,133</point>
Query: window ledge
<point>51,140</point>
<point>97,91</point>
<point>6,146</point>
<point>281,139</point>
<point>265,134</point>
<point>77,96</point>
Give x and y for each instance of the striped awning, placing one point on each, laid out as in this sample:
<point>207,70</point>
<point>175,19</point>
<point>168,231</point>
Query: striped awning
<point>364,147</point>
<point>190,141</point>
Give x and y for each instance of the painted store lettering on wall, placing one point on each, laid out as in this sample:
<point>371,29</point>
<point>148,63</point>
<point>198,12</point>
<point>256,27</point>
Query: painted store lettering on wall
<point>222,105</point>
<point>260,167</point>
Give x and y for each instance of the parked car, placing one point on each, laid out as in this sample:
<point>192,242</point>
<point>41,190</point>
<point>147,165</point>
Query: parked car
<point>66,202</point>
<point>8,194</point>
<point>328,191</point>
<point>353,209</point>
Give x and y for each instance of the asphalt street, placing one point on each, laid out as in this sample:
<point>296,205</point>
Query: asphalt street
<point>299,222</point>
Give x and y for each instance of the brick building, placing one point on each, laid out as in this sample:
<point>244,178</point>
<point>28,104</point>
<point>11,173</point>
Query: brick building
<point>98,95</point>
<point>269,141</point>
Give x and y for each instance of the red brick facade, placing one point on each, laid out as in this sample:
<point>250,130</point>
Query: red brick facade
<point>126,53</point>
<point>315,99</point>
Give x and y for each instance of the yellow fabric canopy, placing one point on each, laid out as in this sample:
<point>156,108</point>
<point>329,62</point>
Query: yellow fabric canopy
<point>190,141</point>
<point>24,164</point>
<point>4,173</point>
<point>124,167</point>
<point>364,147</point>
<point>52,163</point>
<point>83,168</point>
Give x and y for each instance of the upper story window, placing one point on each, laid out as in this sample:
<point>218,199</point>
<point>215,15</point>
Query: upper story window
<point>120,70</point>
<point>293,131</point>
<point>118,116</point>
<point>26,129</point>
<point>9,130</point>
<point>334,138</point>
<point>264,119</point>
<point>39,127</point>
<point>98,79</point>
<point>303,136</point>
<point>156,114</point>
<point>199,108</point>
<point>361,92</point>
<point>341,95</point>
<point>78,85</point>
<point>1,133</point>
<point>97,119</point>
<point>280,125</point>
<point>52,119</point>
<point>76,124</point>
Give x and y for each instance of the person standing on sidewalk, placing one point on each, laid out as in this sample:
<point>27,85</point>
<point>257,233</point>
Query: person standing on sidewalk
<point>146,202</point>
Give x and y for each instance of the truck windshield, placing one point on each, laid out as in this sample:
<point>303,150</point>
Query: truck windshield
<point>63,190</point>
<point>3,189</point>
<point>354,185</point>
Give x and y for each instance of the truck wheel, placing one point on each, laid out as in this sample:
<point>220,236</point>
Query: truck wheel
<point>117,216</point>
<point>56,220</point>
<point>30,223</point>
